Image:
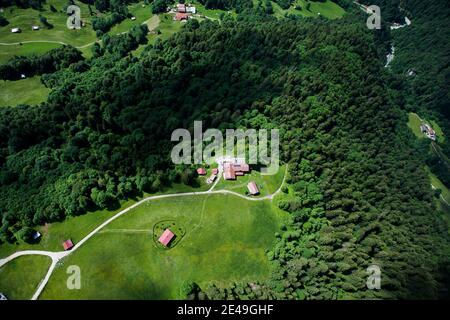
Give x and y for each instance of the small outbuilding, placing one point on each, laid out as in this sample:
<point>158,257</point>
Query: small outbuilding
<point>191,10</point>
<point>67,245</point>
<point>252,188</point>
<point>166,237</point>
<point>36,235</point>
<point>3,297</point>
<point>34,28</point>
<point>215,171</point>
<point>16,30</point>
<point>201,171</point>
<point>211,178</point>
<point>133,18</point>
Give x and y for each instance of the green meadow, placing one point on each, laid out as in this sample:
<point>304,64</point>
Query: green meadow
<point>25,91</point>
<point>25,49</point>
<point>25,18</point>
<point>20,277</point>
<point>140,11</point>
<point>225,241</point>
<point>414,123</point>
<point>76,228</point>
<point>327,9</point>
<point>443,203</point>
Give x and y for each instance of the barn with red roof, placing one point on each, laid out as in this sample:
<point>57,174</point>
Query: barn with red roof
<point>166,237</point>
<point>67,245</point>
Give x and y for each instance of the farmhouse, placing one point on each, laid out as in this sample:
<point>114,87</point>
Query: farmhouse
<point>231,170</point>
<point>181,16</point>
<point>252,188</point>
<point>201,171</point>
<point>16,30</point>
<point>67,245</point>
<point>428,131</point>
<point>166,237</point>
<point>183,11</point>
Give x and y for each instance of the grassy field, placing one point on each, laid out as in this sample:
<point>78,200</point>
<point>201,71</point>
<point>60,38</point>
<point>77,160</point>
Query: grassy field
<point>76,228</point>
<point>140,12</point>
<point>167,26</point>
<point>26,49</point>
<point>53,234</point>
<point>439,133</point>
<point>414,124</point>
<point>225,241</point>
<point>326,9</point>
<point>25,18</point>
<point>266,184</point>
<point>24,91</point>
<point>444,201</point>
<point>439,185</point>
<point>20,277</point>
<point>211,14</point>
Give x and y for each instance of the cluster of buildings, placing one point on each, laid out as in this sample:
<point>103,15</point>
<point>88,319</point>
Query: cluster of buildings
<point>428,131</point>
<point>231,168</point>
<point>183,11</point>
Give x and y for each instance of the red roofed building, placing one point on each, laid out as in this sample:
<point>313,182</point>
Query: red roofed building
<point>181,16</point>
<point>181,8</point>
<point>201,171</point>
<point>228,172</point>
<point>166,237</point>
<point>231,170</point>
<point>67,245</point>
<point>253,188</point>
<point>243,167</point>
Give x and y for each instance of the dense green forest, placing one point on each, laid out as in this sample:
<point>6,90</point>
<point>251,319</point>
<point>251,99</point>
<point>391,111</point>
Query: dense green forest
<point>357,193</point>
<point>424,49</point>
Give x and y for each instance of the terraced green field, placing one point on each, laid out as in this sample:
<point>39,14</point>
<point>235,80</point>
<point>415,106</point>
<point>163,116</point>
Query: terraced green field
<point>225,241</point>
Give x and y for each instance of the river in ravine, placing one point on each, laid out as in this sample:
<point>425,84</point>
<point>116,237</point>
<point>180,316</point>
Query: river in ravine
<point>391,54</point>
